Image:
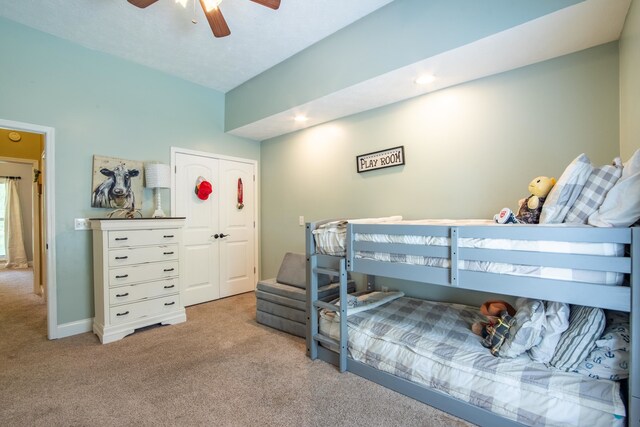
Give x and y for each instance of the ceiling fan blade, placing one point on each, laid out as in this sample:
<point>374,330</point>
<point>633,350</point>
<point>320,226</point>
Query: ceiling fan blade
<point>216,21</point>
<point>142,3</point>
<point>273,4</point>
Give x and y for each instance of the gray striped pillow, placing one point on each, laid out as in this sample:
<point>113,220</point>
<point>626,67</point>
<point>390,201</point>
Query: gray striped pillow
<point>586,325</point>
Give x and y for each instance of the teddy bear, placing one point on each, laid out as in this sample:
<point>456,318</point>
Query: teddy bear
<point>530,208</point>
<point>500,316</point>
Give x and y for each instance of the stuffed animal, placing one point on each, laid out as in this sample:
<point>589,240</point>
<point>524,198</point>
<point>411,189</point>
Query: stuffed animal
<point>530,208</point>
<point>500,316</point>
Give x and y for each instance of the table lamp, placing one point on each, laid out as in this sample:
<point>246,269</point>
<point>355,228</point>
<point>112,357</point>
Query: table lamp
<point>157,176</point>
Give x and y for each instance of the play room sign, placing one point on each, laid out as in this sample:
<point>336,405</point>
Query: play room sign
<point>380,159</point>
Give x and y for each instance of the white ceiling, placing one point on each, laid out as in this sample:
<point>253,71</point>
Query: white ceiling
<point>163,37</point>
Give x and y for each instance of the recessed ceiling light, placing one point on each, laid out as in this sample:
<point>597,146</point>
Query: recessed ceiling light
<point>301,118</point>
<point>425,79</point>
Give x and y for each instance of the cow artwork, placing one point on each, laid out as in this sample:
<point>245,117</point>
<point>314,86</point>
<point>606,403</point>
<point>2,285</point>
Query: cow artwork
<point>121,184</point>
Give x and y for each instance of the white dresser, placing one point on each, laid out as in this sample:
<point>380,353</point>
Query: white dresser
<point>136,276</point>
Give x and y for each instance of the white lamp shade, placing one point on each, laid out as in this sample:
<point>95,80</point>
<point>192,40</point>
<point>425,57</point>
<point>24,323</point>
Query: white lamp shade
<point>157,175</point>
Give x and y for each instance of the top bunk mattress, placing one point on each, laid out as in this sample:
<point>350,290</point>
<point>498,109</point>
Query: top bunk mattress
<point>330,239</point>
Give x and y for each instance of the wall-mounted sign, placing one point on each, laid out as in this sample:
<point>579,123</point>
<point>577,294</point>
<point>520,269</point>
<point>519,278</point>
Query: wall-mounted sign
<point>380,159</point>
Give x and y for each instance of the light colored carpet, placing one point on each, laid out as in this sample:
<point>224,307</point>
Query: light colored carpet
<point>219,368</point>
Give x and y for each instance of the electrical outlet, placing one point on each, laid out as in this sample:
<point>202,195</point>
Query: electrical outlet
<point>301,220</point>
<point>384,289</point>
<point>82,224</point>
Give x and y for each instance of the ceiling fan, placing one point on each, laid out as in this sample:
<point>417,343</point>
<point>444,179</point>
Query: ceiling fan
<point>212,12</point>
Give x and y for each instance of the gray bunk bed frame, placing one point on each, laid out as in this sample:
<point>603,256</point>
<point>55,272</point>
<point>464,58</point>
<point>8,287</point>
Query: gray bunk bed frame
<point>622,298</point>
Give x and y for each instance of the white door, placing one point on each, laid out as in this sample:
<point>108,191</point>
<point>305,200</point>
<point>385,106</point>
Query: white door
<point>218,257</point>
<point>198,270</point>
<point>237,261</point>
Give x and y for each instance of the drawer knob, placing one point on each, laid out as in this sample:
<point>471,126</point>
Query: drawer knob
<point>168,236</point>
<point>169,303</point>
<point>122,257</point>
<point>169,269</point>
<point>122,314</point>
<point>126,294</point>
<point>121,238</point>
<point>168,253</point>
<point>122,276</point>
<point>169,286</point>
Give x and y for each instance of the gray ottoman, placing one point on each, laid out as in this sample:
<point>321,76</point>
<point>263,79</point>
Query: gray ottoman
<point>281,302</point>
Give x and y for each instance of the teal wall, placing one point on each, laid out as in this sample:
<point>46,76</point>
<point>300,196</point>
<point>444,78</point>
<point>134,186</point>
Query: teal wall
<point>470,150</point>
<point>102,105</point>
<point>398,34</point>
<point>630,83</point>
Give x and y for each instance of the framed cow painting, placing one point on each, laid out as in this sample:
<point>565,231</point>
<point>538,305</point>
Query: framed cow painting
<point>117,183</point>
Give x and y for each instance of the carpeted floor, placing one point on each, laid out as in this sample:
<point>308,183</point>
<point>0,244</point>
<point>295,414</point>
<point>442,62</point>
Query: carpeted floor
<point>219,368</point>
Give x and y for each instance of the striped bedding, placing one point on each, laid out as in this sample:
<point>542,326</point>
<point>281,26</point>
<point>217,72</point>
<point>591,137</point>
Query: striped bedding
<point>431,344</point>
<point>330,240</point>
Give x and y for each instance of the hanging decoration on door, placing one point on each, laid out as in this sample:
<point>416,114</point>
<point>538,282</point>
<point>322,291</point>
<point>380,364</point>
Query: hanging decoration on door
<point>240,204</point>
<point>203,188</point>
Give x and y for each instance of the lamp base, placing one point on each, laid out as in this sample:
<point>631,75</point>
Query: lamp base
<point>158,214</point>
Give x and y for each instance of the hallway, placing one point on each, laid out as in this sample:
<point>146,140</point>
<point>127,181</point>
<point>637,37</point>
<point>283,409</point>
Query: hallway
<point>23,315</point>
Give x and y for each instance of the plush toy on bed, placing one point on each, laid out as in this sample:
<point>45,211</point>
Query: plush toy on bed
<point>500,315</point>
<point>531,207</point>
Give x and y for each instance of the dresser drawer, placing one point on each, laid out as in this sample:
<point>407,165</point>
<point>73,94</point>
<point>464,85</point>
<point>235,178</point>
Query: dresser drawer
<point>143,291</point>
<point>142,273</point>
<point>123,238</point>
<point>129,312</point>
<point>130,256</point>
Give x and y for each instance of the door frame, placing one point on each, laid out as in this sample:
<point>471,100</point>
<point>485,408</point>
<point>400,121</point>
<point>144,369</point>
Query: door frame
<point>256,197</point>
<point>49,223</point>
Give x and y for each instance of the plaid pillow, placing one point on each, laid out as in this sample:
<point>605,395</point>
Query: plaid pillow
<point>600,181</point>
<point>564,194</point>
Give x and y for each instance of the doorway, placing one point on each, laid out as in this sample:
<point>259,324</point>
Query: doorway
<point>219,255</point>
<point>44,231</point>
<point>25,174</point>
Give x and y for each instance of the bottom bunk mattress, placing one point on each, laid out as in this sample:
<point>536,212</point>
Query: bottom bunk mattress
<point>431,344</point>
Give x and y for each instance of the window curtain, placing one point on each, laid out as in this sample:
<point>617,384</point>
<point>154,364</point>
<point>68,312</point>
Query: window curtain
<point>16,256</point>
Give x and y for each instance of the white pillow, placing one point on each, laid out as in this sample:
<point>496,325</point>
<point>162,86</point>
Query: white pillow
<point>525,333</point>
<point>556,322</point>
<point>564,194</point>
<point>632,165</point>
<point>621,206</point>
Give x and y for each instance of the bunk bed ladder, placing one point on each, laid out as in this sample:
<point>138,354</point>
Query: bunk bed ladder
<point>314,336</point>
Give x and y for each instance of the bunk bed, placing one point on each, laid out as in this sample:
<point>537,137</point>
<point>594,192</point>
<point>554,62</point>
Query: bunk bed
<point>464,255</point>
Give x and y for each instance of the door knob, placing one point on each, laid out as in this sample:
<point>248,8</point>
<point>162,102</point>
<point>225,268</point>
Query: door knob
<point>215,236</point>
<point>224,235</point>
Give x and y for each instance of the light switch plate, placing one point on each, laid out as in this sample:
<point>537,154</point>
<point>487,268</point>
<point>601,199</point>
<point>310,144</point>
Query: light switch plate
<point>82,224</point>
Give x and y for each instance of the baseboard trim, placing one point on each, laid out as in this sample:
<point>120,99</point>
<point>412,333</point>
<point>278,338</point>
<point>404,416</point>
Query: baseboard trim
<point>74,328</point>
